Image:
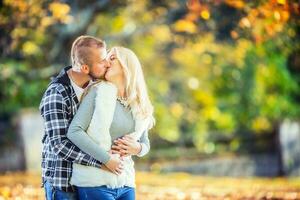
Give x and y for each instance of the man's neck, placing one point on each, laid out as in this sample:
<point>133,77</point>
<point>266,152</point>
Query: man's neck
<point>82,80</point>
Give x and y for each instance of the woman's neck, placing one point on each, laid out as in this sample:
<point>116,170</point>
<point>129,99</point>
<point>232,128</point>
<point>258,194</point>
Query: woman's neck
<point>121,87</point>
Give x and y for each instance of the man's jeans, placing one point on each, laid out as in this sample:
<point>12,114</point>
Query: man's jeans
<point>55,194</point>
<point>104,193</point>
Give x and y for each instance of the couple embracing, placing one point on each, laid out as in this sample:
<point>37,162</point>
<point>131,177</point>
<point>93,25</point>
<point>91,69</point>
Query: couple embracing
<point>97,114</point>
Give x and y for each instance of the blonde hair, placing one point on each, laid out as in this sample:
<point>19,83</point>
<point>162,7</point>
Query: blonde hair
<point>135,86</point>
<point>136,89</point>
<point>81,50</point>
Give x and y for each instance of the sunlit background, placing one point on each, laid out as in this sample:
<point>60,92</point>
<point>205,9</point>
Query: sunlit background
<point>223,76</point>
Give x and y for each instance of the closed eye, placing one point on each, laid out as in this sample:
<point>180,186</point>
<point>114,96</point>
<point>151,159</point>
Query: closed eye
<point>112,57</point>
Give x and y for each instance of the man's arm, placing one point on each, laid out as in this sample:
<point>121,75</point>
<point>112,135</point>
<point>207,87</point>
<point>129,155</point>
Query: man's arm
<point>54,111</point>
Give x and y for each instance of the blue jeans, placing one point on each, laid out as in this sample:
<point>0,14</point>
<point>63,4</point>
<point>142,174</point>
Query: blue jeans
<point>104,193</point>
<point>56,194</point>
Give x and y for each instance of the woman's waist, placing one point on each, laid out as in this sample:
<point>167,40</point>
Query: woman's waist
<point>92,176</point>
<point>82,170</point>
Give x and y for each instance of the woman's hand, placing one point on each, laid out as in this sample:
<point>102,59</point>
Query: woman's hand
<point>115,164</point>
<point>103,167</point>
<point>126,146</point>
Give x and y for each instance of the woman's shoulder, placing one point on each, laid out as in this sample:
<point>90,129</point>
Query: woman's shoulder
<point>104,87</point>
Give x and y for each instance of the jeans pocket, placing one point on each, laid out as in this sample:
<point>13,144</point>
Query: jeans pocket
<point>49,191</point>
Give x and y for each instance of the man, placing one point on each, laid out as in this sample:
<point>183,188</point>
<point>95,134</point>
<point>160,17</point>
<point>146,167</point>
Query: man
<point>58,106</point>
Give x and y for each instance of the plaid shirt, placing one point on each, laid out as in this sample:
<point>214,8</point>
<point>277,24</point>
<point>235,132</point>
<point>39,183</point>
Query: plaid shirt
<point>58,106</point>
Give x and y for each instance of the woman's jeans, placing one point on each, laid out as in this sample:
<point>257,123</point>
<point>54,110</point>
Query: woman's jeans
<point>55,194</point>
<point>104,193</point>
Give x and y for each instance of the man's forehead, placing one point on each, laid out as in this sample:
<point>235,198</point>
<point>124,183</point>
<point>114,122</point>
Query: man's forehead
<point>103,54</point>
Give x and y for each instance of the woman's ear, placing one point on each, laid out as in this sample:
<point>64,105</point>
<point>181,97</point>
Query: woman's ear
<point>85,69</point>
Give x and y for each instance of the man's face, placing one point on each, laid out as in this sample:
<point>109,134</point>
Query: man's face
<point>99,63</point>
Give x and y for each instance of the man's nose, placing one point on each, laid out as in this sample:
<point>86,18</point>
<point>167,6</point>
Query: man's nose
<point>108,64</point>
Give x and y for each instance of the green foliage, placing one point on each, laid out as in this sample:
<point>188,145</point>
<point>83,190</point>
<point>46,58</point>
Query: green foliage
<point>212,77</point>
<point>19,89</point>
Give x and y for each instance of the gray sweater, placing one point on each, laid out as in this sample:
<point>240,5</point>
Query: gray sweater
<point>122,124</point>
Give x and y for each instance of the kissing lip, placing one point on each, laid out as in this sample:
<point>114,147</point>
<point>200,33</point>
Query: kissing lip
<point>106,71</point>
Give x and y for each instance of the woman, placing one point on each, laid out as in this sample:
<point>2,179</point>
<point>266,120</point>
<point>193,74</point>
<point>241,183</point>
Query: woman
<point>118,110</point>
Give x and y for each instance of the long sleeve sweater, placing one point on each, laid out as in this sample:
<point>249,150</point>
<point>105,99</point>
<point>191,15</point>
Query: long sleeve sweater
<point>122,123</point>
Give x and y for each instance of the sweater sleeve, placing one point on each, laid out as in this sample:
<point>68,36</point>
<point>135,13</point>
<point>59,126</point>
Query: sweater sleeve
<point>79,125</point>
<point>53,109</point>
<point>145,143</point>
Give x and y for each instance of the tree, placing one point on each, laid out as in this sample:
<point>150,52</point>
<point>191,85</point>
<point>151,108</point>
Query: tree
<point>221,74</point>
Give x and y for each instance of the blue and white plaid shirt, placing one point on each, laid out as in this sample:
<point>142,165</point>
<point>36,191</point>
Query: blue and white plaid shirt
<point>58,106</point>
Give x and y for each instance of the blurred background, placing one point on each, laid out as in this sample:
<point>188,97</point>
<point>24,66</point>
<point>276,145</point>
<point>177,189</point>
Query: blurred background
<point>223,76</point>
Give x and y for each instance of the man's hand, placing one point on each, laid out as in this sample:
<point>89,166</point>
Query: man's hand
<point>115,164</point>
<point>126,146</point>
<point>103,167</point>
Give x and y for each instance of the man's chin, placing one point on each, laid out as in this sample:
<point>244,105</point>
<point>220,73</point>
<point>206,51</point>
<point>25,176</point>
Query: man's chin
<point>105,76</point>
<point>97,78</point>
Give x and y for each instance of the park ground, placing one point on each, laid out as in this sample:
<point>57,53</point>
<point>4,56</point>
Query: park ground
<point>181,186</point>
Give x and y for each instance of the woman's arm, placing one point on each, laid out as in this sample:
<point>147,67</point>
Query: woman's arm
<point>54,111</point>
<point>80,123</point>
<point>127,145</point>
<point>145,144</point>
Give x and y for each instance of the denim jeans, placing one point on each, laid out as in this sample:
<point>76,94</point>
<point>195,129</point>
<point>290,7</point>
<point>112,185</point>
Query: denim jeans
<point>104,193</point>
<point>56,194</point>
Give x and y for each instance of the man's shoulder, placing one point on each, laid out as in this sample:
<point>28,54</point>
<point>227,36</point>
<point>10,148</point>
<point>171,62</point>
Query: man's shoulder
<point>57,88</point>
<point>55,93</point>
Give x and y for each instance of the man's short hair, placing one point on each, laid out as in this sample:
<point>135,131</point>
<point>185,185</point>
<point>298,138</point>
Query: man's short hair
<point>81,50</point>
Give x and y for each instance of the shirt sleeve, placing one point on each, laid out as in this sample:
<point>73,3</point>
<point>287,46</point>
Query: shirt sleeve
<point>54,111</point>
<point>79,125</point>
<point>145,144</point>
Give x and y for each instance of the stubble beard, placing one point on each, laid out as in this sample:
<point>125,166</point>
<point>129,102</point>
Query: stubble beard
<point>94,77</point>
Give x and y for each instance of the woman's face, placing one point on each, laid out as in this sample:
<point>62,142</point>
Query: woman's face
<point>115,71</point>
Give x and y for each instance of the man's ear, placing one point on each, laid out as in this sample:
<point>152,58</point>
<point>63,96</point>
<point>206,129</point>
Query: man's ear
<point>85,69</point>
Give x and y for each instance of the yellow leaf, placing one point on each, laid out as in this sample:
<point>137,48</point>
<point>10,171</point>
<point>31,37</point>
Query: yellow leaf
<point>211,113</point>
<point>176,109</point>
<point>205,98</point>
<point>281,2</point>
<point>164,33</point>
<point>47,21</point>
<point>236,3</point>
<point>277,15</point>
<point>261,124</point>
<point>185,26</point>
<point>205,14</point>
<point>30,48</point>
<point>245,22</point>
<point>60,11</point>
